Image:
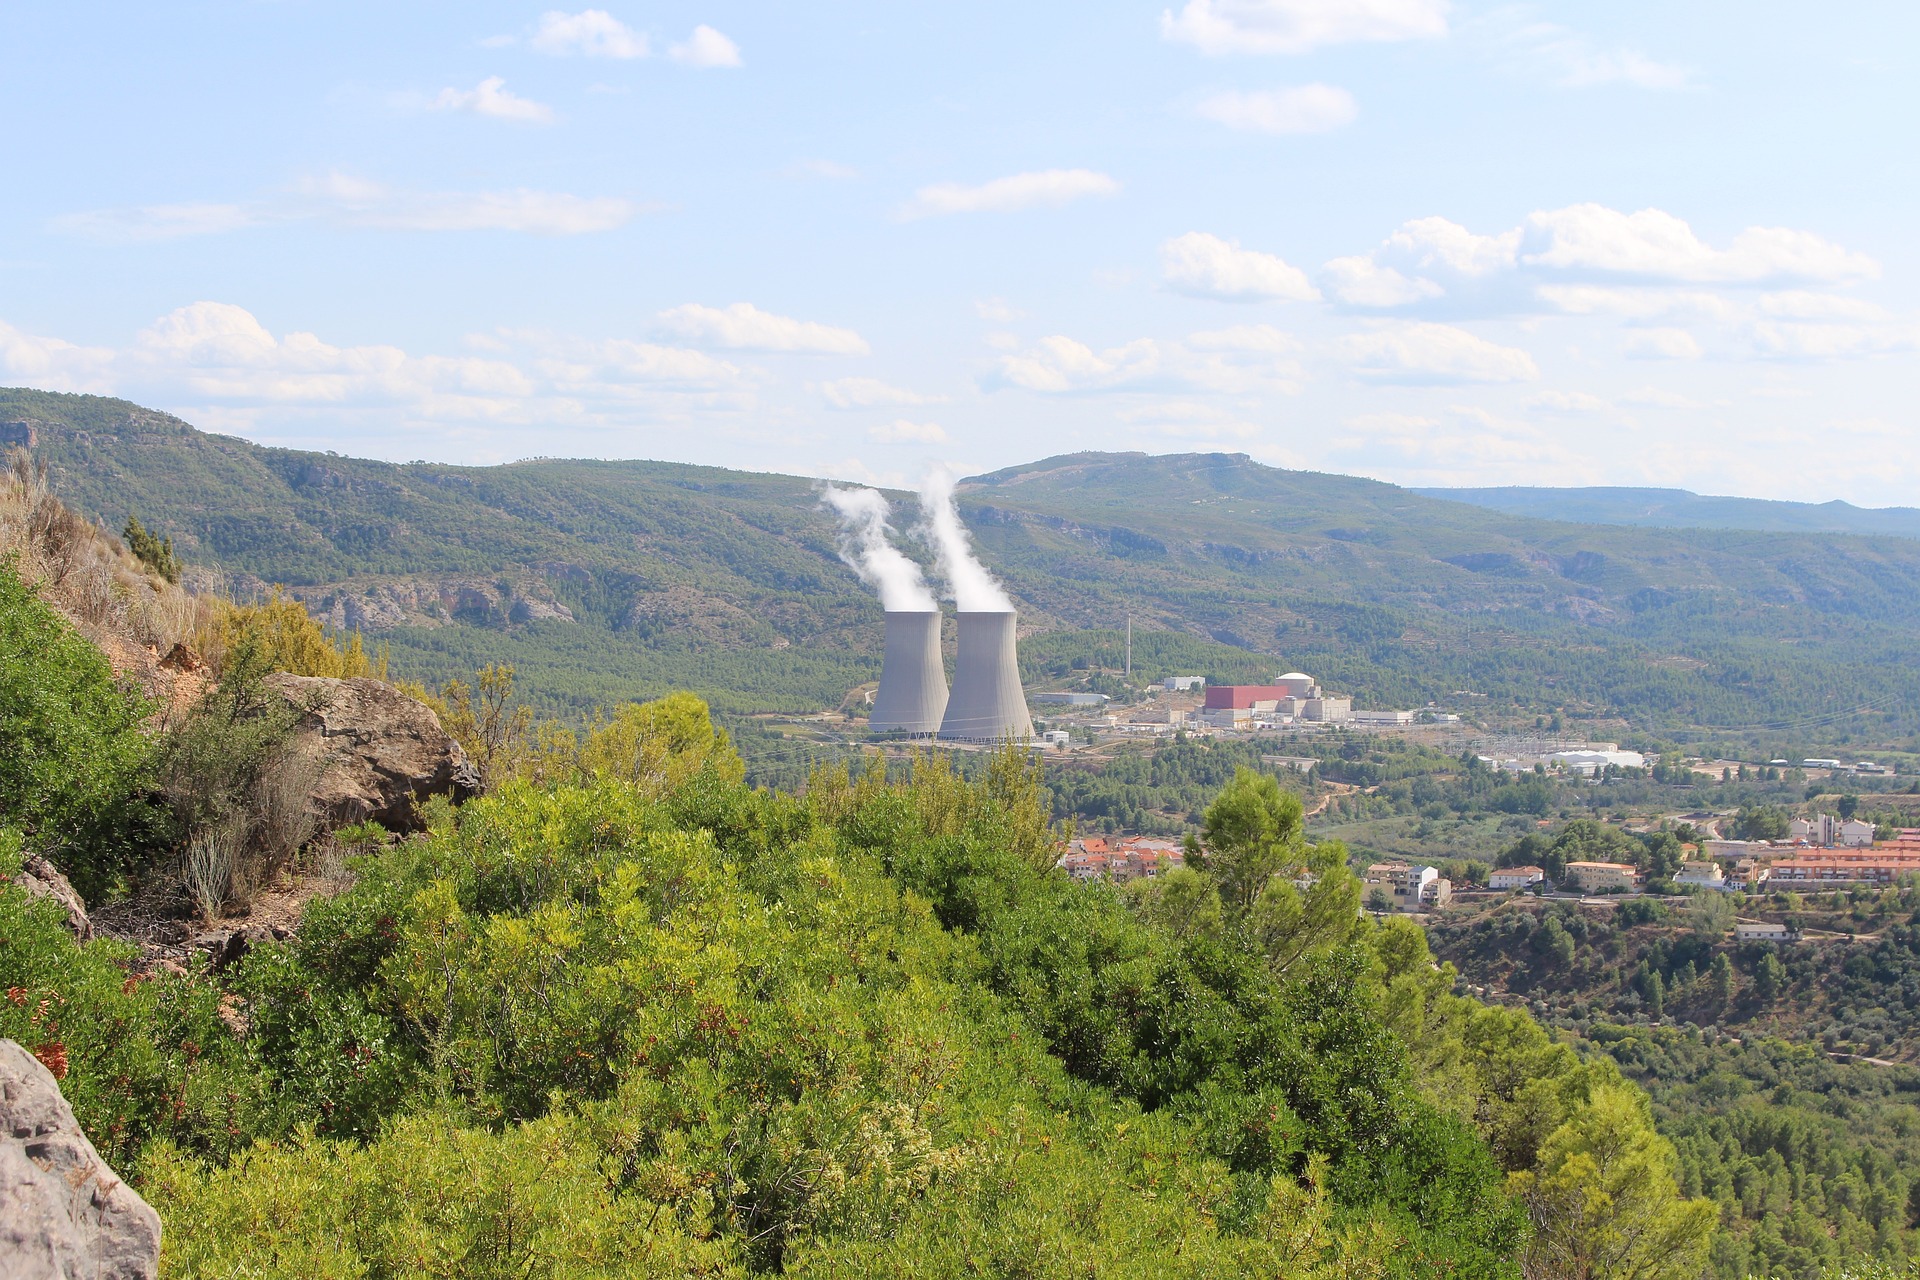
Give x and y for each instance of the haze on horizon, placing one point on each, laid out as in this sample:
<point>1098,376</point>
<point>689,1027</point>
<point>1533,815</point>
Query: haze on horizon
<point>1435,243</point>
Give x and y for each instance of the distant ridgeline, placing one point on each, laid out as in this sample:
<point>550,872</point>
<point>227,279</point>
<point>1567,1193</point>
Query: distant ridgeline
<point>603,581</point>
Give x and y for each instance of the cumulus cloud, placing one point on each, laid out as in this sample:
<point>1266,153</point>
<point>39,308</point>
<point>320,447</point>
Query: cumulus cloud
<point>1297,26</point>
<point>900,431</point>
<point>490,98</point>
<point>1654,244</point>
<point>1567,402</point>
<point>1361,282</point>
<point>1572,60</point>
<point>1310,108</point>
<point>1049,187</point>
<point>593,33</point>
<point>748,328</point>
<point>221,359</point>
<point>1242,359</point>
<point>1185,420</point>
<point>1584,259</point>
<point>54,364</point>
<point>1663,344</point>
<point>1432,353</point>
<point>706,48</point>
<point>1458,445</point>
<point>349,201</point>
<point>1206,266</point>
<point>869,393</point>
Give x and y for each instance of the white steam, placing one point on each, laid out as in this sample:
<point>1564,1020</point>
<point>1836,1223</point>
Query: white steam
<point>974,590</point>
<point>865,546</point>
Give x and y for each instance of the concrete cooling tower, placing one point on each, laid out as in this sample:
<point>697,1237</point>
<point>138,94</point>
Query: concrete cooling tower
<point>987,704</point>
<point>913,679</point>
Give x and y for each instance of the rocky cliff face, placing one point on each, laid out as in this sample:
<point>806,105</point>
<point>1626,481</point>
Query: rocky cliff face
<point>381,752</point>
<point>64,1215</point>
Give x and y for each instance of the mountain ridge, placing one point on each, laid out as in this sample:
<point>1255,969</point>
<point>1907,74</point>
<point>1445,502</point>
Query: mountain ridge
<point>1684,509</point>
<point>604,579</point>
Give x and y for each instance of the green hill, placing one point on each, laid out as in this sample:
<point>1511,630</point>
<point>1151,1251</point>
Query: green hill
<point>1679,509</point>
<point>609,580</point>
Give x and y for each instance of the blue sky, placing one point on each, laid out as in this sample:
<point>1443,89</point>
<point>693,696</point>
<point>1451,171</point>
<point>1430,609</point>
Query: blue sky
<point>1432,242</point>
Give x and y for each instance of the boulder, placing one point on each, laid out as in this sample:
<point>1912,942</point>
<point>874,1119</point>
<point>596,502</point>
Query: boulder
<point>41,879</point>
<point>64,1215</point>
<point>382,752</point>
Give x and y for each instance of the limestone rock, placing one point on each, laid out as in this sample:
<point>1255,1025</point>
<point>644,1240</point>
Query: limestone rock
<point>64,1215</point>
<point>382,752</point>
<point>41,879</point>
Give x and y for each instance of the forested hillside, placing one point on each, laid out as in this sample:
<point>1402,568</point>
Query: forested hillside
<point>607,580</point>
<point>1679,509</point>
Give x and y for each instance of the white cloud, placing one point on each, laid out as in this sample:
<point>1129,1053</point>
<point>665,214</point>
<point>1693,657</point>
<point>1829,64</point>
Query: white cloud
<point>996,311</point>
<point>869,393</point>
<point>900,431</point>
<point>1241,360</point>
<point>54,364</point>
<point>1789,340</point>
<point>706,48</point>
<point>157,222</point>
<point>1430,244</point>
<point>1002,195</point>
<point>1296,26</point>
<point>748,328</point>
<point>1661,398</point>
<point>1572,60</point>
<point>490,98</point>
<point>1060,364</point>
<point>1362,282</point>
<point>1799,304</point>
<point>1183,420</point>
<point>1567,402</point>
<point>1656,245</point>
<point>1663,344</point>
<point>547,213</point>
<point>346,200</point>
<point>1461,445</point>
<point>1206,266</point>
<point>1310,108</point>
<point>221,360</point>
<point>1433,353</point>
<point>594,33</point>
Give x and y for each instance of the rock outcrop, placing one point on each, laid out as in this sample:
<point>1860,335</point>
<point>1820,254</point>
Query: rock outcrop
<point>381,752</point>
<point>41,879</point>
<point>64,1215</point>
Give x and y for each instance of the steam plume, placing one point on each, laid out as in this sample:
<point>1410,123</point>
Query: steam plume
<point>864,545</point>
<point>974,590</point>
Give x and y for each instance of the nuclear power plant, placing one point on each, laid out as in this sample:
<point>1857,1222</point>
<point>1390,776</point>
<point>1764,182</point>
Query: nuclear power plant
<point>913,680</point>
<point>987,703</point>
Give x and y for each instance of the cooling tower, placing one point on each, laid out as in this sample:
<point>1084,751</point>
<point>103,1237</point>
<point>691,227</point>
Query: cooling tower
<point>987,703</point>
<point>913,680</point>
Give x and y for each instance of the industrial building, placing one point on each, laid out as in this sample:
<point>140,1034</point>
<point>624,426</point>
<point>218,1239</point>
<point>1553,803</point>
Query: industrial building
<point>912,697</point>
<point>987,703</point>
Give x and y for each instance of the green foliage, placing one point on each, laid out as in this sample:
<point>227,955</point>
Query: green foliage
<point>75,758</point>
<point>154,552</point>
<point>1814,1163</point>
<point>145,1057</point>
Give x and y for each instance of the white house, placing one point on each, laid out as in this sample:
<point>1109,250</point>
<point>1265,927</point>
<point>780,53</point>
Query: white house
<point>1706,875</point>
<point>1856,834</point>
<point>1515,877</point>
<point>1764,931</point>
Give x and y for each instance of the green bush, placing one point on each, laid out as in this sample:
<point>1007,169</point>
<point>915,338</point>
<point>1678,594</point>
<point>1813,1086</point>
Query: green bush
<point>75,760</point>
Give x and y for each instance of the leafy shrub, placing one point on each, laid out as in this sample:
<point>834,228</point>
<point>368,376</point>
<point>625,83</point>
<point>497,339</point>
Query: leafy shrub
<point>75,758</point>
